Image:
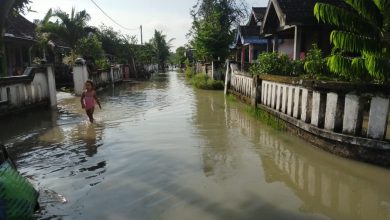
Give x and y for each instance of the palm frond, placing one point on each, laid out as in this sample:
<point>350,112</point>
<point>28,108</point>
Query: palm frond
<point>339,65</point>
<point>355,43</point>
<point>343,19</point>
<point>377,67</point>
<point>384,8</point>
<point>368,10</point>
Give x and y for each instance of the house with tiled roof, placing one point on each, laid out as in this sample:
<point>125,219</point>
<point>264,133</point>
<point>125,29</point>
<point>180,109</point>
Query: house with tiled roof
<point>249,43</point>
<point>19,38</point>
<point>291,28</point>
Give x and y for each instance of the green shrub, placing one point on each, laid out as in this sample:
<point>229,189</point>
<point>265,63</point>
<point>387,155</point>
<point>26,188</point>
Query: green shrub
<point>272,63</point>
<point>102,64</point>
<point>189,72</point>
<point>315,63</point>
<point>202,81</point>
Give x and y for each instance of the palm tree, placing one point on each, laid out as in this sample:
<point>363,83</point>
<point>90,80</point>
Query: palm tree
<point>360,47</point>
<point>70,28</point>
<point>161,47</point>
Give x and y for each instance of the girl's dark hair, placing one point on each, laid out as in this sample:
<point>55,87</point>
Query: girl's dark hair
<point>90,82</point>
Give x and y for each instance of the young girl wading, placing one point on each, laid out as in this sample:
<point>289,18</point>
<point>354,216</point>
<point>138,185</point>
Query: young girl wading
<point>88,99</point>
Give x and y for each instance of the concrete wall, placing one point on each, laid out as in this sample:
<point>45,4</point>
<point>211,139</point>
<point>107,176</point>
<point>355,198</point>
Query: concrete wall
<point>80,75</point>
<point>36,87</point>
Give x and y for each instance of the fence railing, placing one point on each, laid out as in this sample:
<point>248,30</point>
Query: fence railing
<point>351,113</point>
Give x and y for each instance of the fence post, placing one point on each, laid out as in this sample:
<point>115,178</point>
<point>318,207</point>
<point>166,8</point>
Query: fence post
<point>52,86</point>
<point>377,121</point>
<point>80,75</point>
<point>227,77</point>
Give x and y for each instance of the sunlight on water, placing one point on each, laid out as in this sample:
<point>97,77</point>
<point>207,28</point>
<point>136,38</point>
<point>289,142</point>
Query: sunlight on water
<point>163,150</point>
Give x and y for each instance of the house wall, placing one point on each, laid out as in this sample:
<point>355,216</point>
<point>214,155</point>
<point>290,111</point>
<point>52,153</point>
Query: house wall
<point>18,57</point>
<point>286,46</point>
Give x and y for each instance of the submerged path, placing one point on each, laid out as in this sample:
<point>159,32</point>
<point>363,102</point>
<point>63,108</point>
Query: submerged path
<point>163,150</point>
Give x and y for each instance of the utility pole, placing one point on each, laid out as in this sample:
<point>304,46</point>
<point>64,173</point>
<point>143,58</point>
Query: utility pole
<point>142,43</point>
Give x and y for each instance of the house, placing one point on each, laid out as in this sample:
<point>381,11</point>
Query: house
<point>291,28</point>
<point>249,43</point>
<point>18,41</point>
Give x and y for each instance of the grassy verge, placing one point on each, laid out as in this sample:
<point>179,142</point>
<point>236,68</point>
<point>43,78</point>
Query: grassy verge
<point>265,117</point>
<point>231,98</point>
<point>202,81</point>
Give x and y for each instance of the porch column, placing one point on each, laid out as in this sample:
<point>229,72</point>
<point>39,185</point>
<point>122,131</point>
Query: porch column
<point>242,57</point>
<point>250,53</point>
<point>297,42</point>
<point>275,44</point>
<point>269,45</point>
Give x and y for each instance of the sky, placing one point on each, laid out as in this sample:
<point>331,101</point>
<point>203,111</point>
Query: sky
<point>170,16</point>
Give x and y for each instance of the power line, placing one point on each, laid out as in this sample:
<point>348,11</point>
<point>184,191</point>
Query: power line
<point>129,29</point>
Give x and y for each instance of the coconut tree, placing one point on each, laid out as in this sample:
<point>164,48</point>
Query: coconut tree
<point>359,38</point>
<point>69,28</point>
<point>161,47</point>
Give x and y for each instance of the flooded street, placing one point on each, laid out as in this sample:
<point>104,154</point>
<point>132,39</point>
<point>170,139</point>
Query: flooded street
<point>163,150</point>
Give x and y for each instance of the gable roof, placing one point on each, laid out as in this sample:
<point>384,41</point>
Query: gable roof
<point>258,13</point>
<point>19,27</point>
<point>249,35</point>
<point>295,12</point>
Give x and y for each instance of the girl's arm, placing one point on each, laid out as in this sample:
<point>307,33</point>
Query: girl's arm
<point>82,100</point>
<point>97,100</point>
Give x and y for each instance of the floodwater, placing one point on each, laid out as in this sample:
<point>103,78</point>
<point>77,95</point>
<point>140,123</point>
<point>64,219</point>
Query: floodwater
<point>163,150</point>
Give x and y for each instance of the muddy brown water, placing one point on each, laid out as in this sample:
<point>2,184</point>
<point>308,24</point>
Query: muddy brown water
<point>163,150</point>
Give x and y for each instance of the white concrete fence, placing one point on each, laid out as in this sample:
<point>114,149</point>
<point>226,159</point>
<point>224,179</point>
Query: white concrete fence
<point>325,109</point>
<point>80,75</point>
<point>35,87</point>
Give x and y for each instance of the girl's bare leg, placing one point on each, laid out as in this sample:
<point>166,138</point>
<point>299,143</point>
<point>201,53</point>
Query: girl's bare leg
<point>90,114</point>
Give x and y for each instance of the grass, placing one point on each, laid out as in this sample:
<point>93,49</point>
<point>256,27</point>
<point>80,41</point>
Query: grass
<point>231,98</point>
<point>202,81</point>
<point>266,117</point>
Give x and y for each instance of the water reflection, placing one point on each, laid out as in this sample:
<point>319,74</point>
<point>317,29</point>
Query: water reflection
<point>335,187</point>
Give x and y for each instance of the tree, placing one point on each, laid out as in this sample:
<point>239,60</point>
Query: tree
<point>212,27</point>
<point>161,47</point>
<point>69,28</point>
<point>360,48</point>
<point>90,47</point>
<point>120,47</point>
<point>180,57</point>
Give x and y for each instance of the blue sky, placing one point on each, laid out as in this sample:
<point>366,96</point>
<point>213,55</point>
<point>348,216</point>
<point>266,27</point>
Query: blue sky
<point>170,16</point>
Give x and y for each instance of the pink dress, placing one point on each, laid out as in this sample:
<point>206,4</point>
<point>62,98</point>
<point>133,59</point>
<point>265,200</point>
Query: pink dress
<point>89,100</point>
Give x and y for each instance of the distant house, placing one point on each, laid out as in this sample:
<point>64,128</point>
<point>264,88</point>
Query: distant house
<point>18,41</point>
<point>249,43</point>
<point>292,28</point>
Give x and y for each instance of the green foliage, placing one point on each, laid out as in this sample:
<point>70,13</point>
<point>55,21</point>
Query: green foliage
<point>189,72</point>
<point>180,57</point>
<point>231,98</point>
<point>102,64</point>
<point>69,28</point>
<point>272,63</point>
<point>121,48</point>
<point>266,117</point>
<point>161,47</point>
<point>315,63</point>
<point>362,51</point>
<point>202,81</point>
<point>211,32</point>
<point>90,47</point>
